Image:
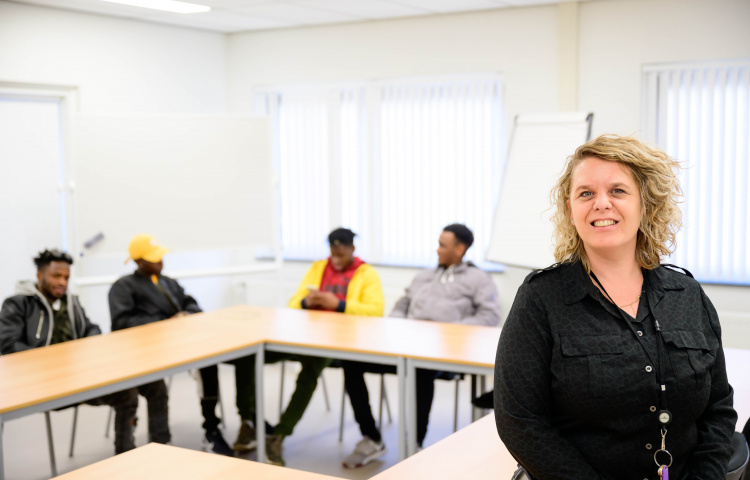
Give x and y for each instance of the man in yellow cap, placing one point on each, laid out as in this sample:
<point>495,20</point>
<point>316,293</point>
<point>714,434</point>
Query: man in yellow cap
<point>147,296</point>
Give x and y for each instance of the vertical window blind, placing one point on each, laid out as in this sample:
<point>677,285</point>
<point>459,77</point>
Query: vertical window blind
<point>394,161</point>
<point>699,114</point>
<point>304,181</point>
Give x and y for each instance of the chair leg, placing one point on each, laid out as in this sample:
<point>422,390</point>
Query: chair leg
<point>73,432</point>
<point>473,395</point>
<point>50,445</point>
<point>109,422</point>
<point>325,391</point>
<point>343,405</point>
<point>281,388</point>
<point>455,406</point>
<point>380,403</point>
<point>221,410</point>
<point>387,403</point>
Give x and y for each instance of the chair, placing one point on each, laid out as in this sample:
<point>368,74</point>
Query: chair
<point>383,400</point>
<point>738,460</point>
<point>451,376</point>
<point>50,441</point>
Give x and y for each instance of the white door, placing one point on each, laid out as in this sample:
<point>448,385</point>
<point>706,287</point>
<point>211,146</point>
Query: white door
<point>31,176</point>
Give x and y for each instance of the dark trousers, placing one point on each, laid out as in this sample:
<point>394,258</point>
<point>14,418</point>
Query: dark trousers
<point>209,397</point>
<point>157,398</point>
<point>354,381</point>
<point>125,404</point>
<point>307,381</point>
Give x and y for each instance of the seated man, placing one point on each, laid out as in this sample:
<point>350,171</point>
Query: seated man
<point>454,292</point>
<point>44,313</point>
<point>342,283</point>
<point>147,296</point>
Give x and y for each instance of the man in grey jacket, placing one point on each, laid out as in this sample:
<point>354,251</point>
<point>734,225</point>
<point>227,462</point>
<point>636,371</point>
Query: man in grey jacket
<point>43,314</point>
<point>454,292</point>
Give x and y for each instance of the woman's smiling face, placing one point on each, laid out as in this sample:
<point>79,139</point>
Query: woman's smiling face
<point>605,206</point>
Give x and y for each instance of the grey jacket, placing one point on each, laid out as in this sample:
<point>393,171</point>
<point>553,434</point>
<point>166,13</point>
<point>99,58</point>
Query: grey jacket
<point>26,320</point>
<point>459,294</point>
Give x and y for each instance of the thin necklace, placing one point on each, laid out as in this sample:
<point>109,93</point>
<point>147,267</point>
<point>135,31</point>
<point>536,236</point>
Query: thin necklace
<point>619,306</point>
<point>629,304</point>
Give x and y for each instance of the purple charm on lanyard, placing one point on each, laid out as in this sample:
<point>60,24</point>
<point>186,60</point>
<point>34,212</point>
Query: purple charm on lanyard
<point>664,472</point>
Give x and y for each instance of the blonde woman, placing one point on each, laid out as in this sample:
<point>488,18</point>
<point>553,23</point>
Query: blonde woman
<point>610,364</point>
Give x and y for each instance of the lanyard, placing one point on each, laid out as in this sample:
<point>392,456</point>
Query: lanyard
<point>665,416</point>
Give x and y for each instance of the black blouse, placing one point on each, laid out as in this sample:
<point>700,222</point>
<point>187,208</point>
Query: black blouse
<point>577,395</point>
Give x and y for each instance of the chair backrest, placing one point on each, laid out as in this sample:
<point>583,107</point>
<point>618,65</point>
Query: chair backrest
<point>740,457</point>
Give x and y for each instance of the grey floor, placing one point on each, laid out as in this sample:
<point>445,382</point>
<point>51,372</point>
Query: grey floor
<point>313,447</point>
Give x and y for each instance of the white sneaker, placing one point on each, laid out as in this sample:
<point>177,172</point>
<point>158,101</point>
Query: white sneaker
<point>366,451</point>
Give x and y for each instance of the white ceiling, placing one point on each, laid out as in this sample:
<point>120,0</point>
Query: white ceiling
<point>230,16</point>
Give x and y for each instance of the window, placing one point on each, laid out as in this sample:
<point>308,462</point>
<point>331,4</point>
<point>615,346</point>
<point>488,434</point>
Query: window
<point>394,161</point>
<point>698,114</point>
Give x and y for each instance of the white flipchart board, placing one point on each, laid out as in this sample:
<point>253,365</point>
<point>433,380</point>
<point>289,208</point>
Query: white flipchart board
<point>521,230</point>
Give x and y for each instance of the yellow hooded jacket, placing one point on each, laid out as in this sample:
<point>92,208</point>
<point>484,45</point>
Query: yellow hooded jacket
<point>364,295</point>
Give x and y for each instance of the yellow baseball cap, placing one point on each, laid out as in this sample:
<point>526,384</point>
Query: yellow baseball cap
<point>145,247</point>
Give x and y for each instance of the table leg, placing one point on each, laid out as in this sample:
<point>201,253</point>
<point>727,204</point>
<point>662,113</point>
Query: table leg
<point>403,415</point>
<point>2,460</point>
<point>260,419</point>
<point>474,410</point>
<point>411,412</point>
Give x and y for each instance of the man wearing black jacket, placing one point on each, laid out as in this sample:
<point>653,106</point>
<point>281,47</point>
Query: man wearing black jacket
<point>44,313</point>
<point>147,296</point>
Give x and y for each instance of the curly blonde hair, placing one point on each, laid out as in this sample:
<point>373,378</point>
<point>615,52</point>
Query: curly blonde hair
<point>656,176</point>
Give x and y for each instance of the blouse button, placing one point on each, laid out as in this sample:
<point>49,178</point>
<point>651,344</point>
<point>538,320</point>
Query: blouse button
<point>648,446</point>
<point>648,368</point>
<point>640,333</point>
<point>652,408</point>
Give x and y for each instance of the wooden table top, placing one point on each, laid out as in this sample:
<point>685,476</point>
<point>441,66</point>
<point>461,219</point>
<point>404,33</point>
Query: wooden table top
<point>419,339</point>
<point>156,461</point>
<point>43,374</point>
<point>474,451</point>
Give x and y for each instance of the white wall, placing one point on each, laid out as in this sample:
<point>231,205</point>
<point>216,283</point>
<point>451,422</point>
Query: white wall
<point>117,65</point>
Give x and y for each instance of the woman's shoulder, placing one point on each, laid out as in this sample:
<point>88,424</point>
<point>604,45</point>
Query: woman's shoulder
<point>544,276</point>
<point>674,277</point>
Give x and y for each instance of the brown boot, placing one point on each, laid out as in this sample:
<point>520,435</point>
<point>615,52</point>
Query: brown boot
<point>274,449</point>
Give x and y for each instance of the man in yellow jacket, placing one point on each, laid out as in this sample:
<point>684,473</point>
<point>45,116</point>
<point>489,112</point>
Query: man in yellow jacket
<point>342,283</point>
